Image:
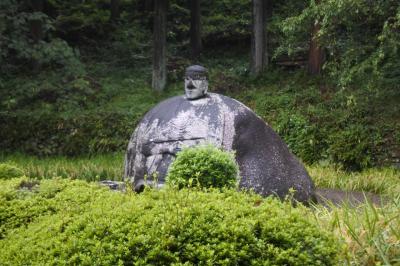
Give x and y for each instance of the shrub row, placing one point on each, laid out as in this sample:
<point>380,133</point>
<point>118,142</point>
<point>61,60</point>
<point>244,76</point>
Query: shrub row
<point>58,222</point>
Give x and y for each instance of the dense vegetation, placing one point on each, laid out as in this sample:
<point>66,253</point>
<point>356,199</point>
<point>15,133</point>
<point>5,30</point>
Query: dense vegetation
<point>75,79</point>
<point>382,181</point>
<point>369,233</point>
<point>203,166</point>
<point>77,223</point>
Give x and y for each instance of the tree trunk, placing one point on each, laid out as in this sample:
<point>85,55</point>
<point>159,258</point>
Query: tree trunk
<point>36,30</point>
<point>195,28</point>
<point>316,53</point>
<point>148,5</point>
<point>160,45</point>
<point>114,10</point>
<point>258,37</point>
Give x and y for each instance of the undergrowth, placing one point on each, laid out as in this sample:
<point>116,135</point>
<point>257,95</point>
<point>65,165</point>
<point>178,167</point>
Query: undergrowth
<point>89,168</point>
<point>49,114</point>
<point>60,221</point>
<point>384,181</point>
<point>204,166</point>
<point>370,232</point>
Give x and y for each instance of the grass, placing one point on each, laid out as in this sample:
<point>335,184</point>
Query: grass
<point>382,181</point>
<point>99,167</point>
<point>370,233</point>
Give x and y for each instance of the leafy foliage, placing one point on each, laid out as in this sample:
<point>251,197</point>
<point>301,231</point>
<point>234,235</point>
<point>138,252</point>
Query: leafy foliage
<point>361,37</point>
<point>51,135</point>
<point>204,166</point>
<point>322,124</point>
<point>88,224</point>
<point>91,88</point>
<point>75,116</point>
<point>349,116</point>
<point>8,171</point>
<point>26,38</point>
<point>226,20</point>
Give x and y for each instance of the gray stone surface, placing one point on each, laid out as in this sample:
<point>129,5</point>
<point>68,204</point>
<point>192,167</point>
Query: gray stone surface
<point>266,165</point>
<point>113,185</point>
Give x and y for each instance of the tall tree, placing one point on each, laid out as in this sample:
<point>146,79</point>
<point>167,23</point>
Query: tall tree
<point>316,53</point>
<point>195,28</point>
<point>259,38</point>
<point>36,29</point>
<point>160,45</point>
<point>148,4</point>
<point>114,10</point>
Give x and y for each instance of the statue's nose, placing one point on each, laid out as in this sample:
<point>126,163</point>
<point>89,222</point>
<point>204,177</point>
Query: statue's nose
<point>190,85</point>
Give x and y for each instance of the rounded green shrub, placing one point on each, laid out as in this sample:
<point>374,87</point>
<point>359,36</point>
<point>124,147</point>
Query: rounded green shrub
<point>9,171</point>
<point>203,165</point>
<point>78,223</point>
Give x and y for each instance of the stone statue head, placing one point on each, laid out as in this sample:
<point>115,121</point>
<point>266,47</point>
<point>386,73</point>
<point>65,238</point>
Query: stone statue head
<point>196,83</point>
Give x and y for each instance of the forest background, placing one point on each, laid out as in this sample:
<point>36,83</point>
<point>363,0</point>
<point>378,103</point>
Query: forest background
<point>76,75</point>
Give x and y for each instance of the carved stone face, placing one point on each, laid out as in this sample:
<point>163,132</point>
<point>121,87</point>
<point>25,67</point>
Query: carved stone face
<point>195,87</point>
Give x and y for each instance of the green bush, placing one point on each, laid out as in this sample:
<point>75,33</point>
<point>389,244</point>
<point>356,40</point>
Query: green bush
<point>9,171</point>
<point>86,115</point>
<point>361,39</point>
<point>353,146</point>
<point>50,134</point>
<point>203,165</point>
<point>27,42</point>
<point>58,222</point>
<point>300,135</point>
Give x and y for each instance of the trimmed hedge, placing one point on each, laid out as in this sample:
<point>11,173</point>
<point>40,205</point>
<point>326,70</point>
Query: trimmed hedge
<point>58,222</point>
<point>203,165</point>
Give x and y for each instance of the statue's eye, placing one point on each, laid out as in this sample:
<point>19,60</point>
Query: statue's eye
<point>195,77</point>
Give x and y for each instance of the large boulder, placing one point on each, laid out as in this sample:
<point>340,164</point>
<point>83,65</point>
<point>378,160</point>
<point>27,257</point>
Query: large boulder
<point>265,162</point>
